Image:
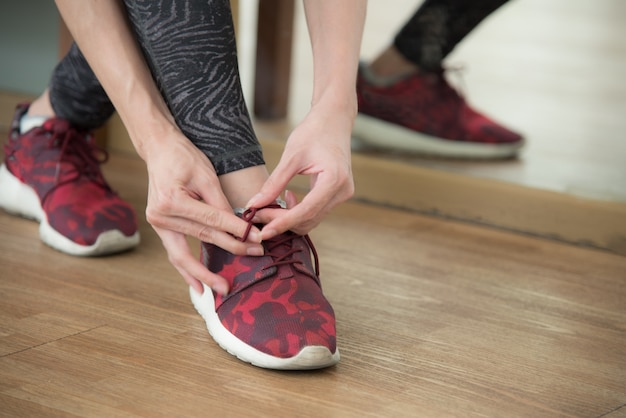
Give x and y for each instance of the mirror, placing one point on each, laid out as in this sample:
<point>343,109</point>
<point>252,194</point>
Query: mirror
<point>552,71</point>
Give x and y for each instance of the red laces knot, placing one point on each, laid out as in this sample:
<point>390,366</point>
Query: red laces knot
<point>280,248</point>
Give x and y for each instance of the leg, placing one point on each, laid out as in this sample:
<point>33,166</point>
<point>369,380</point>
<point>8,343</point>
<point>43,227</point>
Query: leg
<point>52,167</point>
<point>194,62</point>
<point>406,103</point>
<point>438,26</point>
<point>74,94</point>
<point>275,315</point>
<point>209,106</point>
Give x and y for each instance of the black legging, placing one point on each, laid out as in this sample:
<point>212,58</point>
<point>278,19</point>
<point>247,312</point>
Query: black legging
<point>190,49</point>
<point>438,26</point>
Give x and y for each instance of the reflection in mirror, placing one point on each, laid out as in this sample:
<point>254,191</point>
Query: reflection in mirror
<point>552,71</point>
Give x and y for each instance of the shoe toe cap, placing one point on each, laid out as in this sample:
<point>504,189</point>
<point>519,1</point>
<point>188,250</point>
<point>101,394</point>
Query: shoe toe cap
<point>281,327</point>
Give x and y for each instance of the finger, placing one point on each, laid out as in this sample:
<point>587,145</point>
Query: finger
<point>266,215</point>
<point>290,199</point>
<point>222,239</point>
<point>197,219</point>
<point>225,241</point>
<point>273,186</point>
<point>187,265</point>
<point>309,212</point>
<point>300,219</point>
<point>198,271</point>
<point>211,193</point>
<point>193,283</point>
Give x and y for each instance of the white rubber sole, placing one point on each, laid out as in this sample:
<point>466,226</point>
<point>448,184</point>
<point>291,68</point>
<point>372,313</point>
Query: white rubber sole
<point>381,134</point>
<point>309,358</point>
<point>20,199</point>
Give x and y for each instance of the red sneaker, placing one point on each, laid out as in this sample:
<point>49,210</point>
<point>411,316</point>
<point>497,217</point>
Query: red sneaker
<point>275,315</point>
<point>52,174</point>
<point>423,114</point>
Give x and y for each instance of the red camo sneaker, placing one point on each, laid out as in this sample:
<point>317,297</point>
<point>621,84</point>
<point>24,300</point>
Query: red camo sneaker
<point>52,174</point>
<point>275,315</point>
<point>423,114</point>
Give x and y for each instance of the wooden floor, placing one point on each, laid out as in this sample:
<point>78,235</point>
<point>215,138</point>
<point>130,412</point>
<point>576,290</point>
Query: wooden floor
<point>435,318</point>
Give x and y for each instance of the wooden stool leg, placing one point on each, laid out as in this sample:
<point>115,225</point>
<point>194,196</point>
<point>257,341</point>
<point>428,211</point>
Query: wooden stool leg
<point>273,58</point>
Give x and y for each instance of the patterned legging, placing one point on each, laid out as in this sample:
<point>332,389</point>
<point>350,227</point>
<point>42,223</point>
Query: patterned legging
<point>190,48</point>
<point>438,26</point>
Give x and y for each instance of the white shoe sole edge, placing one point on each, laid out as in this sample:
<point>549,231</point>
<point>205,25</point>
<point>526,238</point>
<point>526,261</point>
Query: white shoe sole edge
<point>386,135</point>
<point>20,199</point>
<point>309,358</point>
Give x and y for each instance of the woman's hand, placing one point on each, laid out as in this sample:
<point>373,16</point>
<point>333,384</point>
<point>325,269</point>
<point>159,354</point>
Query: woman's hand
<point>185,198</point>
<point>318,147</point>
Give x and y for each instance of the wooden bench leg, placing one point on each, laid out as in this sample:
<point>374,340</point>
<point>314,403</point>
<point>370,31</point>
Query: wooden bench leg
<point>273,58</point>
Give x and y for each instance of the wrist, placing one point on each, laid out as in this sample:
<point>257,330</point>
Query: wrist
<point>150,131</point>
<point>337,102</point>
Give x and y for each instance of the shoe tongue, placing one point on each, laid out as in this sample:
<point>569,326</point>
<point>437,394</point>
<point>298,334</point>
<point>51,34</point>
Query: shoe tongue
<point>29,122</point>
<point>299,264</point>
<point>284,271</point>
<point>57,125</point>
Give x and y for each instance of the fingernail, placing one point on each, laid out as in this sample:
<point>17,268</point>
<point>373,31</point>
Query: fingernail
<point>221,289</point>
<point>269,233</point>
<point>253,200</point>
<point>255,236</point>
<point>255,251</point>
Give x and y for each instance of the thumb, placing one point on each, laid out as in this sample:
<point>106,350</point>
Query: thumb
<point>272,188</point>
<point>291,199</point>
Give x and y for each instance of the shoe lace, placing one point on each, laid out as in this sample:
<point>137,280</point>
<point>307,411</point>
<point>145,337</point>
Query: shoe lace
<point>272,245</point>
<point>77,149</point>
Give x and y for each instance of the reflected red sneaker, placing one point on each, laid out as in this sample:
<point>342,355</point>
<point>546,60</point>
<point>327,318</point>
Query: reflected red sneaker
<point>275,315</point>
<point>52,174</point>
<point>423,114</point>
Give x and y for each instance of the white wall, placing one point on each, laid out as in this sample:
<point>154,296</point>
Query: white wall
<point>28,44</point>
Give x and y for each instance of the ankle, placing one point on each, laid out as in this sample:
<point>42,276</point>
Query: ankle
<point>239,186</point>
<point>41,106</point>
<point>392,64</point>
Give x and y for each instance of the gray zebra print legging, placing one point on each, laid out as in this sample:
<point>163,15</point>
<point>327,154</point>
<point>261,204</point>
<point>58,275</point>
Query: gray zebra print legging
<point>438,26</point>
<point>190,49</point>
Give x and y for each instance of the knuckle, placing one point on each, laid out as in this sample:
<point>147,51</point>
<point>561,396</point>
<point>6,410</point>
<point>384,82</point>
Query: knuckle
<point>212,218</point>
<point>349,190</point>
<point>235,247</point>
<point>163,205</point>
<point>164,200</point>
<point>153,217</point>
<point>206,234</point>
<point>158,205</point>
